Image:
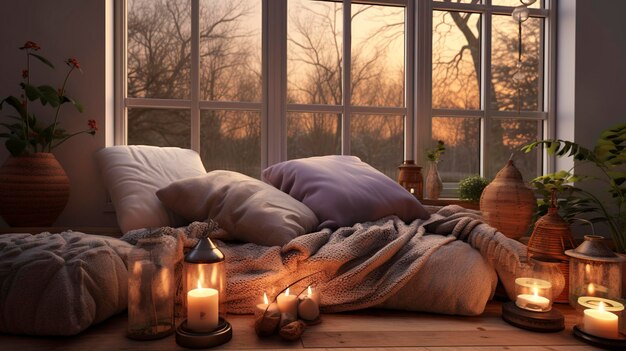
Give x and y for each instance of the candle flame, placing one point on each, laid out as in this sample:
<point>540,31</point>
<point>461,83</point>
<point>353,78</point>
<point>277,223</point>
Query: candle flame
<point>309,291</point>
<point>412,191</point>
<point>601,306</point>
<point>591,289</point>
<point>588,268</point>
<point>287,292</point>
<point>265,300</point>
<point>199,285</point>
<point>535,291</point>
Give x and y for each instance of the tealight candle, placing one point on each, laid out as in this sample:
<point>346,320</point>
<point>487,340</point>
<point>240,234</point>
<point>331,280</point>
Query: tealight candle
<point>202,309</point>
<point>600,323</point>
<point>270,308</point>
<point>533,302</point>
<point>287,303</point>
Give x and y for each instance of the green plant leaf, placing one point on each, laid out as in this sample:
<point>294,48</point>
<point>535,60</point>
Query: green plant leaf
<point>49,94</point>
<point>76,104</point>
<point>16,104</point>
<point>16,146</point>
<point>618,177</point>
<point>32,92</point>
<point>42,59</point>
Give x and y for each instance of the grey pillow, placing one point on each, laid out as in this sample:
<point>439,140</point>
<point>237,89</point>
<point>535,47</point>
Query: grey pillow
<point>246,208</point>
<point>343,190</point>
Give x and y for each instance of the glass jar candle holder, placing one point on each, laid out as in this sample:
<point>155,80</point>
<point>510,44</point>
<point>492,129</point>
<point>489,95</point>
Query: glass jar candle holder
<point>538,281</point>
<point>151,288</point>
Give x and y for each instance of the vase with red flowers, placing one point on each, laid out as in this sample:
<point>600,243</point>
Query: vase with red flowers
<point>34,188</point>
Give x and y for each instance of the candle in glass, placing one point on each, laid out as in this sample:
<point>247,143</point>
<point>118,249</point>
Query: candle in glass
<point>202,309</point>
<point>600,322</point>
<point>533,302</point>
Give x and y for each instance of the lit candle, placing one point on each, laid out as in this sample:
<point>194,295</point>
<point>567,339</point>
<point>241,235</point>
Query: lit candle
<point>287,303</point>
<point>309,305</point>
<point>202,309</point>
<point>261,308</point>
<point>600,323</point>
<point>412,190</point>
<point>533,302</point>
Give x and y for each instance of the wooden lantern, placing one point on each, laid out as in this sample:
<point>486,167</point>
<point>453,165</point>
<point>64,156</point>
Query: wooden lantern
<point>410,178</point>
<point>507,203</point>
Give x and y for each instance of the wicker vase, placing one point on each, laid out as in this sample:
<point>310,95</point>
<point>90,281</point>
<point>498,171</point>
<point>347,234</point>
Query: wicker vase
<point>34,190</point>
<point>507,203</point>
<point>551,237</point>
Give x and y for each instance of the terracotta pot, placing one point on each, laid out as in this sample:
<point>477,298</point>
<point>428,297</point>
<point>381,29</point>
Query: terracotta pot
<point>34,190</point>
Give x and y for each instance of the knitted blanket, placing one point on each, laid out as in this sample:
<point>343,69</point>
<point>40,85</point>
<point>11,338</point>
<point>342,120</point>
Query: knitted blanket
<point>360,266</point>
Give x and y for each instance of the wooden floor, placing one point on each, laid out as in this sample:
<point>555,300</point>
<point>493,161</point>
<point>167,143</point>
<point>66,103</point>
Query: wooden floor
<point>363,330</point>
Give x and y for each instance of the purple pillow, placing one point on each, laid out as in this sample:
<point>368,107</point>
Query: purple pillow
<point>342,190</point>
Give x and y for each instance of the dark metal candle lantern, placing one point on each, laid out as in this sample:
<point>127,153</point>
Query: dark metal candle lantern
<point>595,292</point>
<point>410,178</point>
<point>537,283</point>
<point>205,297</point>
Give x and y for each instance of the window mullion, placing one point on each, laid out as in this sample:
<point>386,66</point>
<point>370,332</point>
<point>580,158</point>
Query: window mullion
<point>195,75</point>
<point>409,82</point>
<point>486,95</point>
<point>423,78</point>
<point>346,91</point>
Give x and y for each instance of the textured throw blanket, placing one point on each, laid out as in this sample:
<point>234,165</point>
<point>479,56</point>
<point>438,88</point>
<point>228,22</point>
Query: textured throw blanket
<point>356,267</point>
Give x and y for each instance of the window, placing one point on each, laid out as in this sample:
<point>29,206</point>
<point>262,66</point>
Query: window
<point>249,83</point>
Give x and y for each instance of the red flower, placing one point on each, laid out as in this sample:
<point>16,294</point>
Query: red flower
<point>30,45</point>
<point>92,124</point>
<point>72,62</point>
<point>24,73</point>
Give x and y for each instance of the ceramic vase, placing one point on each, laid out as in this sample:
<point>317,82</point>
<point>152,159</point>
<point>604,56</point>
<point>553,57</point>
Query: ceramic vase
<point>34,190</point>
<point>434,185</point>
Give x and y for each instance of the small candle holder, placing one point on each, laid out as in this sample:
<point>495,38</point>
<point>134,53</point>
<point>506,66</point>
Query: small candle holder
<point>410,178</point>
<point>595,293</point>
<point>536,285</point>
<point>205,292</point>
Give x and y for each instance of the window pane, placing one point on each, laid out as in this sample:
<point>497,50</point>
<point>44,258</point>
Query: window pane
<point>231,140</point>
<point>456,60</point>
<point>377,65</point>
<point>314,53</point>
<point>313,134</point>
<point>379,141</point>
<point>159,127</point>
<point>230,50</point>
<point>462,140</point>
<point>507,136</point>
<point>504,65</point>
<point>514,3</point>
<point>158,50</point>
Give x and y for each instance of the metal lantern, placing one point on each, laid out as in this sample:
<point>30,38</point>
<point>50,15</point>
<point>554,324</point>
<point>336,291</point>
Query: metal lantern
<point>595,290</point>
<point>410,178</point>
<point>538,282</point>
<point>205,297</point>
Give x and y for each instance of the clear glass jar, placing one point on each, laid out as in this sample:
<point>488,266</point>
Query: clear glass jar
<point>151,288</point>
<point>538,282</point>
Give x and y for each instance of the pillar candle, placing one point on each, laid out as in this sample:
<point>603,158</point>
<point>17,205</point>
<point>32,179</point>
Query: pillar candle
<point>202,309</point>
<point>288,303</point>
<point>600,323</point>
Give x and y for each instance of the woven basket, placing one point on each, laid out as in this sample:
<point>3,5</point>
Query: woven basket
<point>551,237</point>
<point>507,203</point>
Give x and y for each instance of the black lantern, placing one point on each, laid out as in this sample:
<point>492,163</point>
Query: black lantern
<point>205,297</point>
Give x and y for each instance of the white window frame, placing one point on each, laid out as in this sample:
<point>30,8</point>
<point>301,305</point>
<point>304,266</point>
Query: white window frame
<point>418,111</point>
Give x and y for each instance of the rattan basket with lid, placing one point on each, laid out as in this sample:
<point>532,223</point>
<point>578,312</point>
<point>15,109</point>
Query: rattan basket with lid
<point>507,203</point>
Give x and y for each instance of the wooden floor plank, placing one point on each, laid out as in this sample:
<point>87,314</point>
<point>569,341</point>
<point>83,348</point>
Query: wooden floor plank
<point>367,330</point>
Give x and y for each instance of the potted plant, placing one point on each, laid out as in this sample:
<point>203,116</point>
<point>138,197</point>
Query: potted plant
<point>609,158</point>
<point>471,188</point>
<point>434,185</point>
<point>33,185</point>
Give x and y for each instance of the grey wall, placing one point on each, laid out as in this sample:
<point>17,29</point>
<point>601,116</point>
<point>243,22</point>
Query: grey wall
<point>591,78</point>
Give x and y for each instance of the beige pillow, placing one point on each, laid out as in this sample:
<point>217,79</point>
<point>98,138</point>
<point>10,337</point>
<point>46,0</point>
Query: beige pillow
<point>246,208</point>
<point>132,175</point>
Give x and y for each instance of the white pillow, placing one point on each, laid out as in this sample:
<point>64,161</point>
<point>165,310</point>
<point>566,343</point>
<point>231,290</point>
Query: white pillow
<point>132,175</point>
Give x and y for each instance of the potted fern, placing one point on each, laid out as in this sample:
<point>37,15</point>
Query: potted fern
<point>609,158</point>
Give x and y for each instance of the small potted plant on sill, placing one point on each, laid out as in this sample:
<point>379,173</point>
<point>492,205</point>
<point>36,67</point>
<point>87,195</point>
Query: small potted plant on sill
<point>609,158</point>
<point>34,188</point>
<point>471,188</point>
